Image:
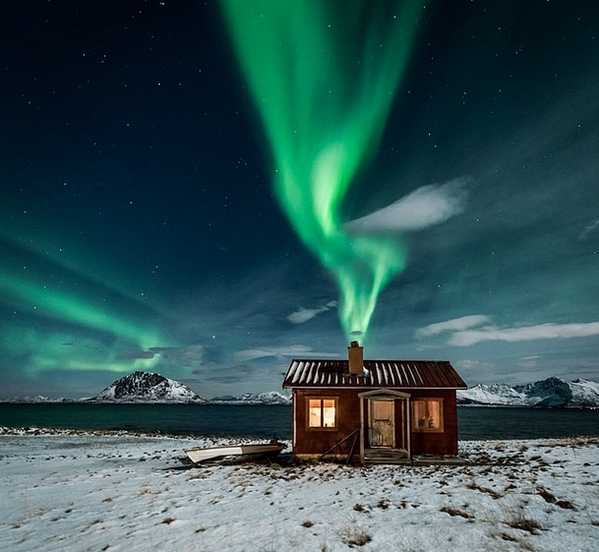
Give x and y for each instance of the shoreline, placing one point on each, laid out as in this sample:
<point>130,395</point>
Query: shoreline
<point>40,430</point>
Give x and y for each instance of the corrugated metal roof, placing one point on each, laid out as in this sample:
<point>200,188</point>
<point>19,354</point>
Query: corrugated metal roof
<point>423,374</point>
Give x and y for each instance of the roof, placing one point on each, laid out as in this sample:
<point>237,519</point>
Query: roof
<point>400,374</point>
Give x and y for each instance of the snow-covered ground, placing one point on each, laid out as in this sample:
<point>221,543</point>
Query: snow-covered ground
<point>96,491</point>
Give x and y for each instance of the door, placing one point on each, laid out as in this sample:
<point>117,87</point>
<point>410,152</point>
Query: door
<point>382,423</point>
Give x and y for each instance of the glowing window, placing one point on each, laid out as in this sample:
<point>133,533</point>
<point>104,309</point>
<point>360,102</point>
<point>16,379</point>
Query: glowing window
<point>427,415</point>
<point>322,413</point>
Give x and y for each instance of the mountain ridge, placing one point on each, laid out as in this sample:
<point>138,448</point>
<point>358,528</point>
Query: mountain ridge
<point>148,387</point>
<point>140,387</point>
<point>551,392</point>
<point>267,397</point>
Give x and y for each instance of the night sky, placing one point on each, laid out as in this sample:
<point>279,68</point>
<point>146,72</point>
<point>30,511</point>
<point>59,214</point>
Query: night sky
<point>142,225</point>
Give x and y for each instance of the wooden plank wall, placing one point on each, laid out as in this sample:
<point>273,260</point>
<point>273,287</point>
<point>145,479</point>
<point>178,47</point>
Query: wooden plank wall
<point>317,441</point>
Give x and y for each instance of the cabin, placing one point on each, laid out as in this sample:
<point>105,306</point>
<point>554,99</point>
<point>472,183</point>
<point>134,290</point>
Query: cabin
<point>373,410</point>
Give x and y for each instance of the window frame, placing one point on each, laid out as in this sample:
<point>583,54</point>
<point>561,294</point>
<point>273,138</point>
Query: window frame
<point>321,399</point>
<point>416,427</point>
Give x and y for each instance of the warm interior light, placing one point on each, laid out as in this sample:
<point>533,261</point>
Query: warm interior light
<point>321,412</point>
<point>427,414</point>
<point>328,413</point>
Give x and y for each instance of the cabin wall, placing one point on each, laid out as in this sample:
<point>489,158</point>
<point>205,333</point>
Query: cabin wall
<point>316,441</point>
<point>445,443</point>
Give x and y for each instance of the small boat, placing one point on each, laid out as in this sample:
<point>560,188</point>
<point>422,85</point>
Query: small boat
<point>254,451</point>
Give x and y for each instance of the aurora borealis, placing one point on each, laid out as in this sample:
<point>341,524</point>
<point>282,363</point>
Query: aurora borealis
<point>323,77</point>
<point>154,212</point>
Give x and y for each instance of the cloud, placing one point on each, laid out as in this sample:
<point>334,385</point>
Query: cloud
<point>424,207</point>
<point>531,361</point>
<point>465,334</point>
<point>454,325</point>
<point>133,355</point>
<point>477,370</point>
<point>280,352</point>
<point>231,375</point>
<point>589,229</point>
<point>194,352</point>
<point>525,333</point>
<point>302,315</point>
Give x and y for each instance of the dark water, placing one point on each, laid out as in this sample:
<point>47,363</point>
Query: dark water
<point>180,419</point>
<point>525,423</point>
<point>265,421</point>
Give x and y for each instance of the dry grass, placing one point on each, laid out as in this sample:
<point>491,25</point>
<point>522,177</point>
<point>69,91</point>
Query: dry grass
<point>492,492</point>
<point>551,499</point>
<point>456,512</point>
<point>526,524</point>
<point>353,534</point>
<point>520,521</point>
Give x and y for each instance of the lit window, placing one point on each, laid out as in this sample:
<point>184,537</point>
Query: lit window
<point>427,415</point>
<point>321,412</point>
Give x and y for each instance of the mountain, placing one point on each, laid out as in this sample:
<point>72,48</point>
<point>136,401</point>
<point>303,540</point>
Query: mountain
<point>271,397</point>
<point>38,399</point>
<point>140,387</point>
<point>551,392</point>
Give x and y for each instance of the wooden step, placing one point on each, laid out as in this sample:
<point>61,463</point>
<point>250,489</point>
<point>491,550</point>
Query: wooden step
<point>386,456</point>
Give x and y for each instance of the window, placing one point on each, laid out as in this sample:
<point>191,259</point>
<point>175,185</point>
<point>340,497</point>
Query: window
<point>322,413</point>
<point>427,415</point>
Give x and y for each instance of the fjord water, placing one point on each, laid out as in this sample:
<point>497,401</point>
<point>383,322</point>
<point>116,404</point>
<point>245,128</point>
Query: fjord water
<point>178,419</point>
<point>264,421</point>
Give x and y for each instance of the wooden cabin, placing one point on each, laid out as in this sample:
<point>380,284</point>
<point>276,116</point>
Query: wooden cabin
<point>373,410</point>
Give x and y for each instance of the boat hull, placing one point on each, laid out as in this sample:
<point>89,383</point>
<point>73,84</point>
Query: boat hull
<point>204,454</point>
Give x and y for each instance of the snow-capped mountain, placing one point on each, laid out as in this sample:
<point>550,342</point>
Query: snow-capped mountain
<point>147,387</point>
<point>554,392</point>
<point>270,397</point>
<point>38,399</point>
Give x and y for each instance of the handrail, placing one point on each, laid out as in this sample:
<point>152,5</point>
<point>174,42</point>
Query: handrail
<point>340,443</point>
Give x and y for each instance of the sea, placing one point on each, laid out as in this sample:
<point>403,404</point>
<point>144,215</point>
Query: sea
<point>266,421</point>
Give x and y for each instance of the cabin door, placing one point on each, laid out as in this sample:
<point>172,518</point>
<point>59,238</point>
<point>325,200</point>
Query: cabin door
<point>382,423</point>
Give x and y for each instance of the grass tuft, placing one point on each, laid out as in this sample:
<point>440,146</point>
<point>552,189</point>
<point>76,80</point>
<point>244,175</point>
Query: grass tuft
<point>455,512</point>
<point>353,534</point>
<point>526,524</point>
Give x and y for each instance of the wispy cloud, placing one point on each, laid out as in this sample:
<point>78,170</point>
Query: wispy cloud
<point>465,331</point>
<point>303,315</point>
<point>531,361</point>
<point>454,325</point>
<point>194,352</point>
<point>424,207</point>
<point>280,352</point>
<point>525,333</point>
<point>589,229</point>
<point>133,355</point>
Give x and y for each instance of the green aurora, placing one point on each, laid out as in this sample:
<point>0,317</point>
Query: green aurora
<point>180,196</point>
<point>323,77</point>
<point>49,289</point>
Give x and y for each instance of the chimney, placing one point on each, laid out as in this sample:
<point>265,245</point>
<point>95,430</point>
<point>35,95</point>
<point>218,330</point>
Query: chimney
<point>356,359</point>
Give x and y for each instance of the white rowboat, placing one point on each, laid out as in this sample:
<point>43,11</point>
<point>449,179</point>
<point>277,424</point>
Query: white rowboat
<point>203,454</point>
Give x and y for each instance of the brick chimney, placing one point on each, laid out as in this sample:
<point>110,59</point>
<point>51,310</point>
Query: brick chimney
<point>356,359</point>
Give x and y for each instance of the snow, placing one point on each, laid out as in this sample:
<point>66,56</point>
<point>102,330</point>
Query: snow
<point>267,397</point>
<point>147,387</point>
<point>584,392</point>
<point>73,491</point>
<point>549,392</point>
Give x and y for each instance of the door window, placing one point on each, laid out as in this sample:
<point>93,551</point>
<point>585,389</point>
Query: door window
<point>382,423</point>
